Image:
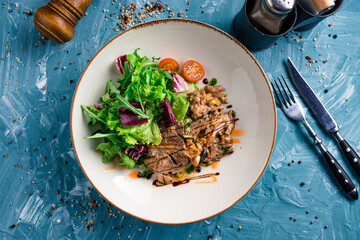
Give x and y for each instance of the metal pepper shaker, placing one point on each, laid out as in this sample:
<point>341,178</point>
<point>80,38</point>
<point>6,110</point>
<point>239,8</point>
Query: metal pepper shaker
<point>269,15</point>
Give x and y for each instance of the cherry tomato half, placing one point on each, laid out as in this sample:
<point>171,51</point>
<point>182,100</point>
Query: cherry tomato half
<point>169,64</point>
<point>193,71</point>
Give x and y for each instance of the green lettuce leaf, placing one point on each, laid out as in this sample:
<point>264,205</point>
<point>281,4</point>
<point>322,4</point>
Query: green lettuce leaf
<point>126,161</point>
<point>109,151</point>
<point>180,107</point>
<point>147,133</point>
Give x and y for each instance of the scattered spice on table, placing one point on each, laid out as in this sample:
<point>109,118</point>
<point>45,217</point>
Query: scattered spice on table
<point>302,183</point>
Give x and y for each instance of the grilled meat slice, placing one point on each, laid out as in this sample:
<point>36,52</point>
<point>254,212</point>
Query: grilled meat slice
<point>181,157</point>
<point>166,178</point>
<point>164,164</point>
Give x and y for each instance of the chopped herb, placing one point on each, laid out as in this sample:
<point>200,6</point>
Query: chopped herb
<point>146,173</point>
<point>233,113</point>
<point>160,183</point>
<point>189,169</point>
<point>225,150</point>
<point>213,82</point>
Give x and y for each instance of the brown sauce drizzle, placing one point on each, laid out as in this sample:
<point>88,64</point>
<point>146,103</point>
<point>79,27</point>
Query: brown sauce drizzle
<point>156,183</point>
<point>229,106</point>
<point>148,176</point>
<point>175,184</point>
<point>214,179</point>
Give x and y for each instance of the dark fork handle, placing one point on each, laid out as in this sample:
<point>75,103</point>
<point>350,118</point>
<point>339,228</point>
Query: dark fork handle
<point>349,152</point>
<point>339,173</point>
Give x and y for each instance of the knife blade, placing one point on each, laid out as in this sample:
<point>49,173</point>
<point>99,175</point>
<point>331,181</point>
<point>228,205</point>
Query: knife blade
<point>322,115</point>
<point>317,108</point>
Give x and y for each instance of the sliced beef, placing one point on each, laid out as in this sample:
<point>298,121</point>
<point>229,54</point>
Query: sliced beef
<point>176,129</point>
<point>170,154</point>
<point>209,124</point>
<point>174,171</point>
<point>182,157</point>
<point>166,178</point>
<point>164,164</point>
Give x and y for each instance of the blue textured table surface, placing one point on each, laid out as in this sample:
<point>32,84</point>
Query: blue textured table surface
<point>45,195</point>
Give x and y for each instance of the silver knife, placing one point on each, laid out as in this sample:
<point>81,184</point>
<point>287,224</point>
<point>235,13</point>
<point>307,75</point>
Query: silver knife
<point>323,116</point>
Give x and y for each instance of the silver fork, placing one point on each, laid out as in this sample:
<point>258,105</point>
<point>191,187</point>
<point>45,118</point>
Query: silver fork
<point>293,110</point>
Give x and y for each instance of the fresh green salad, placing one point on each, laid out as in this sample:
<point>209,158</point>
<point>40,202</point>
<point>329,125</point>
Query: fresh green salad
<point>129,113</point>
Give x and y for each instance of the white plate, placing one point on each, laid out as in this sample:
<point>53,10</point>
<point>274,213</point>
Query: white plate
<point>248,91</point>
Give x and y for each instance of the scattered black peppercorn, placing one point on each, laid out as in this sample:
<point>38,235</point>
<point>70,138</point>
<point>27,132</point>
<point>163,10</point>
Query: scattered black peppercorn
<point>326,91</point>
<point>302,184</point>
<point>335,36</point>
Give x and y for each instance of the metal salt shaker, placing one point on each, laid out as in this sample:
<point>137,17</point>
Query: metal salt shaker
<point>269,15</point>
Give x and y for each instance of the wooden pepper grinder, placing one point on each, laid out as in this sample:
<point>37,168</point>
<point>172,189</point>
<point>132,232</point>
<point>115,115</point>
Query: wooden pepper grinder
<point>56,20</point>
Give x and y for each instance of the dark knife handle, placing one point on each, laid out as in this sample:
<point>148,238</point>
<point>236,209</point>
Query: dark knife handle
<point>351,156</point>
<point>349,152</point>
<point>341,176</point>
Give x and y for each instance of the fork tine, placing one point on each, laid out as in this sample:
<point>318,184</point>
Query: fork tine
<point>285,92</point>
<point>291,94</point>
<point>284,101</point>
<point>277,96</point>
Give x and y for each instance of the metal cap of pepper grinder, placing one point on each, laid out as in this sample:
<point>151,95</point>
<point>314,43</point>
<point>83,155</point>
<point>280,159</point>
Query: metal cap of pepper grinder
<point>280,7</point>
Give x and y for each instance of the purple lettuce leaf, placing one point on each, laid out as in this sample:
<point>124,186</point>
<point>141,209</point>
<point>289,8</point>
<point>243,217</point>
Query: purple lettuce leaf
<point>180,85</point>
<point>120,62</point>
<point>167,113</point>
<point>136,152</point>
<point>99,106</point>
<point>128,118</point>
